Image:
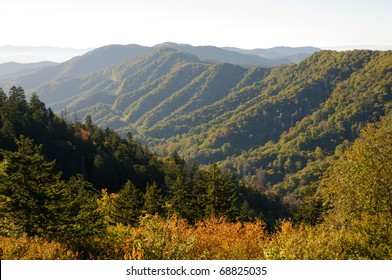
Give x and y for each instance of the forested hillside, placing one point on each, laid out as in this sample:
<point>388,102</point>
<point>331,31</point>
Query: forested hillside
<point>225,147</point>
<point>348,95</point>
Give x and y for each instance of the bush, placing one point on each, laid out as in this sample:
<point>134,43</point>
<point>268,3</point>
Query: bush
<point>33,248</point>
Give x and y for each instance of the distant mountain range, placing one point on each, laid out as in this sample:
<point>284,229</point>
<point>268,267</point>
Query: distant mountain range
<point>284,54</point>
<point>266,57</point>
<point>258,57</point>
<point>100,58</point>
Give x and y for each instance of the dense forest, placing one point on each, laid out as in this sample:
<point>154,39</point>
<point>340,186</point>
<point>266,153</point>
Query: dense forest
<point>290,162</point>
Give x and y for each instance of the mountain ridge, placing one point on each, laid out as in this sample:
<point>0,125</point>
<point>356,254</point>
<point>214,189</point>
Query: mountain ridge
<point>290,54</point>
<point>215,54</point>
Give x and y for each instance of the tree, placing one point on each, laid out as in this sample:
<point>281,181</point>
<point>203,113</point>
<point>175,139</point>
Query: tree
<point>38,120</point>
<point>310,209</point>
<point>37,108</point>
<point>17,106</point>
<point>89,123</point>
<point>221,194</point>
<point>80,217</point>
<point>17,97</point>
<point>3,97</point>
<point>185,199</point>
<point>153,199</point>
<point>358,191</point>
<point>246,214</point>
<point>32,189</point>
<point>360,181</point>
<point>127,207</point>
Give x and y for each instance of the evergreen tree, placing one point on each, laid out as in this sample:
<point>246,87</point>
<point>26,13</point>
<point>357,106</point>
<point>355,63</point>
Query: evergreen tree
<point>221,194</point>
<point>127,207</point>
<point>18,98</point>
<point>37,108</point>
<point>38,120</point>
<point>3,97</point>
<point>311,208</point>
<point>80,216</point>
<point>153,199</point>
<point>89,123</point>
<point>33,191</point>
<point>185,200</point>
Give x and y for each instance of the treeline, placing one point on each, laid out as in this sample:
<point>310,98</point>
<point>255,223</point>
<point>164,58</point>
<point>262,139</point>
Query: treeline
<point>67,180</point>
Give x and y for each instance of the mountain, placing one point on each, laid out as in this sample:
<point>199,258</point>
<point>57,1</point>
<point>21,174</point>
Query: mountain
<point>316,118</point>
<point>250,117</point>
<point>143,89</point>
<point>227,55</point>
<point>10,68</point>
<point>293,55</point>
<point>92,61</point>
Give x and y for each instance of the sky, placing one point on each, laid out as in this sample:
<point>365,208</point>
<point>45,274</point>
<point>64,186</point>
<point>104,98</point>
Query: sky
<point>245,24</point>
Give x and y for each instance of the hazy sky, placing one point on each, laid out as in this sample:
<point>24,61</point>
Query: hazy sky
<point>242,23</point>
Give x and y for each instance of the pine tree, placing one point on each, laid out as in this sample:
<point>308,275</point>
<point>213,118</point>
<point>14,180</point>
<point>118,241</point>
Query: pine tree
<point>127,207</point>
<point>185,200</point>
<point>37,108</point>
<point>80,217</point>
<point>3,97</point>
<point>221,193</point>
<point>38,120</point>
<point>153,199</point>
<point>31,187</point>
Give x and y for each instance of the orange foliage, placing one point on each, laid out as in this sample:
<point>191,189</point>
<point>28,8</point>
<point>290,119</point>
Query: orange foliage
<point>157,238</point>
<point>219,239</point>
<point>85,134</point>
<point>33,248</point>
<point>174,238</point>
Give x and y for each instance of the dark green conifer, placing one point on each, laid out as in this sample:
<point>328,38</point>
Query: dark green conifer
<point>128,205</point>
<point>31,187</point>
<point>153,199</point>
